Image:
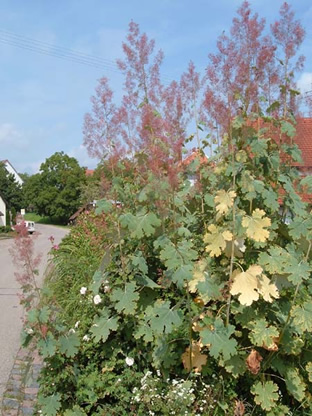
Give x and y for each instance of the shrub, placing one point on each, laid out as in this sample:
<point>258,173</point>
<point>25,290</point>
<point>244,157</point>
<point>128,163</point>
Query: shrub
<point>207,285</point>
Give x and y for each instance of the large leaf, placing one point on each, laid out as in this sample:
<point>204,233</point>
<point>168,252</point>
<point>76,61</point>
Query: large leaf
<point>50,404</point>
<point>215,240</point>
<point>265,394</point>
<point>178,259</point>
<point>219,340</point>
<point>144,223</point>
<point>256,225</point>
<point>103,205</point>
<point>126,299</point>
<point>263,335</point>
<point>163,318</point>
<point>103,326</point>
<point>69,344</point>
<point>47,346</point>
<point>302,317</point>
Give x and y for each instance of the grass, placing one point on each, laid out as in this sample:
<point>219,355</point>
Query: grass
<point>31,216</point>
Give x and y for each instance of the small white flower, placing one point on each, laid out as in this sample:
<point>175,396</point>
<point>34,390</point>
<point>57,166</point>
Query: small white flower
<point>86,338</point>
<point>97,299</point>
<point>83,290</point>
<point>77,324</point>
<point>29,331</point>
<point>129,361</point>
<point>71,331</point>
<point>106,289</point>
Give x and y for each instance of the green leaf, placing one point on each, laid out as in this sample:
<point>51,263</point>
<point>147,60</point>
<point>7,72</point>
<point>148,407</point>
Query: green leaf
<point>279,410</point>
<point>265,394</point>
<point>103,326</point>
<point>103,205</point>
<point>47,346</point>
<point>208,289</point>
<point>309,371</point>
<point>33,316</point>
<point>300,227</point>
<point>50,404</point>
<point>297,272</point>
<point>75,411</point>
<point>97,282</point>
<point>288,128</point>
<point>221,345</point>
<point>141,224</point>
<point>271,199</point>
<point>295,385</point>
<point>307,182</point>
<point>302,317</point>
<point>178,259</point>
<point>144,331</point>
<point>126,299</point>
<point>175,255</point>
<point>140,262</point>
<point>44,314</point>
<point>263,335</point>
<point>275,261</point>
<point>163,319</point>
<point>236,365</point>
<point>69,344</point>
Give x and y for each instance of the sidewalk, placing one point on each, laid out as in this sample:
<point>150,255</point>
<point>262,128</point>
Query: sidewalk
<point>20,394</point>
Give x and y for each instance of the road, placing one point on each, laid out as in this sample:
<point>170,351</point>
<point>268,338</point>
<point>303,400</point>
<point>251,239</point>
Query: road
<point>11,313</point>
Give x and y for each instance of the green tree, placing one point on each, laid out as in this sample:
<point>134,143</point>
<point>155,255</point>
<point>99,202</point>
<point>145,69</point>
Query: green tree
<point>58,185</point>
<point>10,189</point>
<point>31,188</point>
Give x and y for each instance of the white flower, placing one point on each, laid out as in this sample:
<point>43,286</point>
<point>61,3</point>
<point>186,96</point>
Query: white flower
<point>71,331</point>
<point>29,331</point>
<point>86,338</point>
<point>97,299</point>
<point>106,289</point>
<point>83,290</point>
<point>129,361</point>
<point>77,324</point>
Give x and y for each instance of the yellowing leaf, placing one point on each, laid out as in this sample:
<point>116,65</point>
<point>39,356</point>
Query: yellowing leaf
<point>251,284</point>
<point>267,289</point>
<point>198,275</point>
<point>256,225</point>
<point>224,201</point>
<point>216,240</point>
<point>246,284</point>
<point>194,358</point>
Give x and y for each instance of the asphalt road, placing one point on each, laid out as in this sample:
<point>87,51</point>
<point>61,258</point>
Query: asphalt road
<point>11,313</point>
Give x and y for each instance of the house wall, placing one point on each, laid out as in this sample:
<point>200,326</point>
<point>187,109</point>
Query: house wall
<point>3,210</point>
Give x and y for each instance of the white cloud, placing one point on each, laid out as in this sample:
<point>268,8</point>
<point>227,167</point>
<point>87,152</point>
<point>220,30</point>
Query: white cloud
<point>305,82</point>
<point>80,153</point>
<point>9,135</point>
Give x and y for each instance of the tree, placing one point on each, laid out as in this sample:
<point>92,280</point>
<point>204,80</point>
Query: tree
<point>10,189</point>
<point>58,185</point>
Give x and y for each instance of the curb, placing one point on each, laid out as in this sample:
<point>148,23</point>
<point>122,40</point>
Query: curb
<point>20,395</point>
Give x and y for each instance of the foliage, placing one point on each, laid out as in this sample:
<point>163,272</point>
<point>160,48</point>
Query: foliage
<point>180,299</point>
<point>55,190</point>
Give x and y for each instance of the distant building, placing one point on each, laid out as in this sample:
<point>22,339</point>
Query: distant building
<point>89,172</point>
<point>13,171</point>
<point>2,212</point>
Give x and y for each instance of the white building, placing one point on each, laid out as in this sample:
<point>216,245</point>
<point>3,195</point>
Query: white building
<point>2,212</point>
<point>11,170</point>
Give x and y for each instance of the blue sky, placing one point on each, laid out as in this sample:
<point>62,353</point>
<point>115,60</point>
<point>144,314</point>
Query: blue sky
<point>43,99</point>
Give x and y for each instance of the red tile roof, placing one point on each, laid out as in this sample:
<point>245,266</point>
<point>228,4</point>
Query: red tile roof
<point>89,172</point>
<point>303,139</point>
